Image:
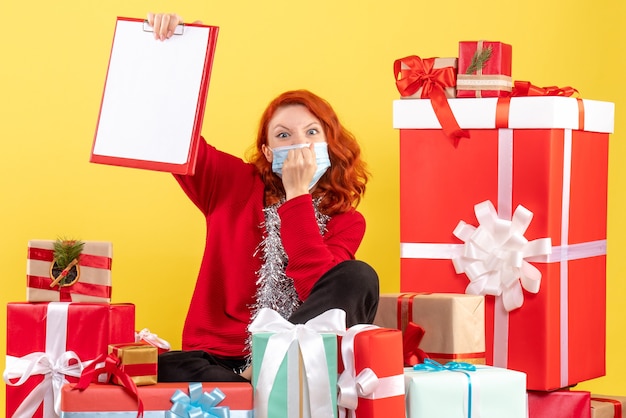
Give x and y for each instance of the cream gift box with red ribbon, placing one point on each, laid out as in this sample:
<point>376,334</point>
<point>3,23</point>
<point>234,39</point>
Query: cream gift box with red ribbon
<point>608,406</point>
<point>542,162</point>
<point>49,344</point>
<point>93,274</point>
<point>453,324</point>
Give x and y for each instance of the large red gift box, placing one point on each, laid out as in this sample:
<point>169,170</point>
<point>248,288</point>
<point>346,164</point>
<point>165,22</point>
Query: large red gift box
<point>491,80</point>
<point>93,274</point>
<point>531,153</point>
<point>100,400</point>
<point>50,342</point>
<point>371,379</point>
<point>559,404</point>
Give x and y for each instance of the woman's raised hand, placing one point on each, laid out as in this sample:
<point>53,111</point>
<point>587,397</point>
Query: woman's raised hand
<point>164,24</point>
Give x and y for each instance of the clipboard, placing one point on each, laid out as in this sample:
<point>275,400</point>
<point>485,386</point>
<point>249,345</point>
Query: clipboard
<point>154,97</point>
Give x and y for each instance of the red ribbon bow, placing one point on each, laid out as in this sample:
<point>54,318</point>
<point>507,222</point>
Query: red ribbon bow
<point>421,74</point>
<point>411,338</point>
<point>112,365</point>
<point>525,88</point>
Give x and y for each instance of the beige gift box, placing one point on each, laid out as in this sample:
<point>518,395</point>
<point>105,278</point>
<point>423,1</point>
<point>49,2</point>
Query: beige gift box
<point>608,406</point>
<point>454,324</point>
<point>91,275</point>
<point>450,91</point>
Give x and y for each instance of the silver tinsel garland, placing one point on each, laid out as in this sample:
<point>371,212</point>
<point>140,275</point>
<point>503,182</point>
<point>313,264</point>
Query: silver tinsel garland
<point>275,290</point>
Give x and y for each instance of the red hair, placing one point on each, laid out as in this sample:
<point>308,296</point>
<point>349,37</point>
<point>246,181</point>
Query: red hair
<point>343,184</point>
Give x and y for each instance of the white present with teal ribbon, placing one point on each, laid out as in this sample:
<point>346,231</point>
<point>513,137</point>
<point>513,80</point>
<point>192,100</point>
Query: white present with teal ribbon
<point>462,390</point>
<point>294,367</point>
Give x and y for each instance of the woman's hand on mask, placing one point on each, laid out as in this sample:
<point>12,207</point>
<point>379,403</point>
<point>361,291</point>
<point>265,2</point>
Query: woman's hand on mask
<point>298,170</point>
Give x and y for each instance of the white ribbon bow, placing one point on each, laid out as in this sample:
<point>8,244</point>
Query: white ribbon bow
<point>364,385</point>
<point>311,345</point>
<point>152,339</point>
<point>54,371</point>
<point>494,255</point>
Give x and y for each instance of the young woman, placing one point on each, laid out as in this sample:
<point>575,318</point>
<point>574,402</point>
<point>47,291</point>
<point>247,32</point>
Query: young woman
<point>282,233</point>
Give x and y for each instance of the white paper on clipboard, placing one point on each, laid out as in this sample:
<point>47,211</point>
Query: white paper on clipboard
<point>154,97</point>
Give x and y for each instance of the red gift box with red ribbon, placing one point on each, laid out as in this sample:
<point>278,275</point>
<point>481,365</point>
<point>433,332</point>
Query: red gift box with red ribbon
<point>559,404</point>
<point>371,373</point>
<point>484,69</point>
<point>542,163</point>
<point>91,281</point>
<point>48,343</point>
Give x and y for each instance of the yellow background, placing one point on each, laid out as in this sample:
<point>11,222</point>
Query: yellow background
<point>53,59</point>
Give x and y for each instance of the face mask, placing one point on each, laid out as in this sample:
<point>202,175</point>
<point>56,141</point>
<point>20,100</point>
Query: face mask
<point>321,159</point>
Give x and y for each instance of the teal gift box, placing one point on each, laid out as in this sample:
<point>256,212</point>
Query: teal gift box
<point>290,395</point>
<point>294,367</point>
<point>463,390</point>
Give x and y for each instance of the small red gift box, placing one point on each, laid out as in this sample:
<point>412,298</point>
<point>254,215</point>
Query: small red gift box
<point>559,404</point>
<point>99,400</point>
<point>604,406</point>
<point>91,276</point>
<point>54,341</point>
<point>549,155</point>
<point>493,79</point>
<point>137,360</point>
<point>371,380</point>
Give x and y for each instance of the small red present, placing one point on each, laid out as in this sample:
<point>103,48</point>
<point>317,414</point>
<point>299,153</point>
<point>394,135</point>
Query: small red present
<point>371,380</point>
<point>86,279</point>
<point>49,343</point>
<point>484,69</point>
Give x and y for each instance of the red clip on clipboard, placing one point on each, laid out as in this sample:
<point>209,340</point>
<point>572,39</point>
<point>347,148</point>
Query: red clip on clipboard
<point>154,97</point>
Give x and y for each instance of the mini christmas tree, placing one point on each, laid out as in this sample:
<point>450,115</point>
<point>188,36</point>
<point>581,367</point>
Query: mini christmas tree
<point>65,270</point>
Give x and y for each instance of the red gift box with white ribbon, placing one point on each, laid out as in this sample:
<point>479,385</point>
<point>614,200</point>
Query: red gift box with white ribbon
<point>49,344</point>
<point>371,379</point>
<point>542,163</point>
<point>93,274</point>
